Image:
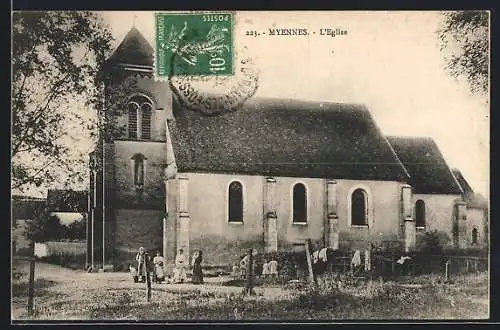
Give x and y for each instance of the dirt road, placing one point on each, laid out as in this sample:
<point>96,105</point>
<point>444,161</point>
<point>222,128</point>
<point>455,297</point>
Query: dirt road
<point>65,293</point>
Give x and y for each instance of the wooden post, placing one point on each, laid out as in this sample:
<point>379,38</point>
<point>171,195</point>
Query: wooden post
<point>393,265</point>
<point>312,276</point>
<point>249,286</point>
<point>31,284</point>
<point>148,278</point>
<point>446,274</point>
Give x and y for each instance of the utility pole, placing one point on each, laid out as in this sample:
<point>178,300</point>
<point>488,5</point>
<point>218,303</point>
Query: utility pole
<point>94,174</point>
<point>103,199</point>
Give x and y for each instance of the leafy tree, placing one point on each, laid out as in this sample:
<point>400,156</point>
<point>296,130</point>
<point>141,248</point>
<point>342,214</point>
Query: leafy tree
<point>45,227</point>
<point>464,37</point>
<point>56,60</point>
<point>76,230</point>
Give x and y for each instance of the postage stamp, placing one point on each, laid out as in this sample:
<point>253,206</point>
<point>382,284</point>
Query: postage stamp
<point>194,44</point>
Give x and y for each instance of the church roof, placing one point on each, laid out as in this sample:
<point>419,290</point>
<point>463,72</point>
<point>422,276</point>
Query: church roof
<point>473,200</point>
<point>285,138</point>
<point>133,50</point>
<point>428,170</point>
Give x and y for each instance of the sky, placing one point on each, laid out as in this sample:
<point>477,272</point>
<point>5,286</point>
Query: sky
<point>389,61</point>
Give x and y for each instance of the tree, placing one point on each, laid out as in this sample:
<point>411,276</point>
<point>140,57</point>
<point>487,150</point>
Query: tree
<point>45,227</point>
<point>464,37</point>
<point>56,60</point>
<point>76,230</point>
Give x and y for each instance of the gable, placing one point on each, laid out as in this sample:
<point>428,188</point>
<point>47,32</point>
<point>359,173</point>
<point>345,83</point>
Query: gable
<point>285,138</point>
<point>428,170</point>
<point>473,199</point>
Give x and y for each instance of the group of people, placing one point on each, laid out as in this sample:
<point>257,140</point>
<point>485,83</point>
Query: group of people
<point>179,271</point>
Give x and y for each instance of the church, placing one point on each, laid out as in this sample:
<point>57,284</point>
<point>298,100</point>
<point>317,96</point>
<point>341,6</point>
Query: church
<point>267,176</point>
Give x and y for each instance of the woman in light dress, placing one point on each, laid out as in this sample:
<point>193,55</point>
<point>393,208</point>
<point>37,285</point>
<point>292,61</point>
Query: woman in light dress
<point>180,267</point>
<point>159,262</point>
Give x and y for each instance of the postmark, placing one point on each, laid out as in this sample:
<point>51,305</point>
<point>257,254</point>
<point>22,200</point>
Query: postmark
<point>214,94</point>
<point>194,44</point>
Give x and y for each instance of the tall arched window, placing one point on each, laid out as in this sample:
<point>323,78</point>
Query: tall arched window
<point>133,109</point>
<point>146,121</point>
<point>138,163</point>
<point>299,203</point>
<point>235,202</point>
<point>139,117</point>
<point>420,214</point>
<point>474,236</point>
<point>359,208</point>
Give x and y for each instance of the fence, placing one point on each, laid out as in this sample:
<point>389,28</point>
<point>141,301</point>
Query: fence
<point>67,254</point>
<point>381,264</point>
<point>394,265</point>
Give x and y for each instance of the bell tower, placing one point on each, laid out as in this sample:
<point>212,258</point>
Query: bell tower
<point>131,156</point>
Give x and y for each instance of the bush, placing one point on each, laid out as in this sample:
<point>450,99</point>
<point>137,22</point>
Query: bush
<point>432,242</point>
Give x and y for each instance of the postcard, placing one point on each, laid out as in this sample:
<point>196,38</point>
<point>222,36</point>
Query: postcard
<point>265,166</point>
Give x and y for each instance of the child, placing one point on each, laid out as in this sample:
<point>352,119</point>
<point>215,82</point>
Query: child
<point>141,264</point>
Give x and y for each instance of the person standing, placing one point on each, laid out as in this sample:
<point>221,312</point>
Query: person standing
<point>159,262</point>
<point>197,270</point>
<point>141,264</point>
<point>180,267</point>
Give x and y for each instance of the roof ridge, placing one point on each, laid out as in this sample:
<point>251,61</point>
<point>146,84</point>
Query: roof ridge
<point>397,158</point>
<point>304,101</point>
<point>410,137</point>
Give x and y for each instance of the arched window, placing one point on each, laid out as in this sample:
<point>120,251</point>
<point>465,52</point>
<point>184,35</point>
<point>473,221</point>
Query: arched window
<point>133,109</point>
<point>359,208</point>
<point>138,163</point>
<point>146,121</point>
<point>474,236</point>
<point>139,117</point>
<point>299,203</point>
<point>420,214</point>
<point>235,202</point>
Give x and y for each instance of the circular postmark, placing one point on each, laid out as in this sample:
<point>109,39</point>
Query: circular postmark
<point>216,94</point>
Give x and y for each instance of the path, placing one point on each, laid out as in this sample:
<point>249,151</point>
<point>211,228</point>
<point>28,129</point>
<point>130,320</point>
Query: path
<point>74,287</point>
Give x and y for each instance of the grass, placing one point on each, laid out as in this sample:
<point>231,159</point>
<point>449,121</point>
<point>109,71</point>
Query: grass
<point>333,299</point>
<point>388,301</point>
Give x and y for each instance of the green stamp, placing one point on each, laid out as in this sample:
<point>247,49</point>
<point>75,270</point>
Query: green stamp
<point>194,44</point>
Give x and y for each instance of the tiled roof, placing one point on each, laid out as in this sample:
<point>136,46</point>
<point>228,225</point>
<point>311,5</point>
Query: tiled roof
<point>285,138</point>
<point>133,50</point>
<point>26,209</point>
<point>428,170</point>
<point>473,200</point>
